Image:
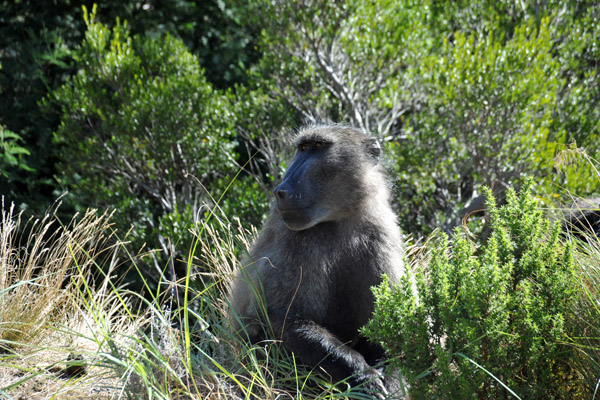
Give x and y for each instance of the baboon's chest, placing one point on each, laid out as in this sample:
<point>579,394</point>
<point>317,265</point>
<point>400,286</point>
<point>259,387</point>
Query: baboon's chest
<point>329,280</point>
<point>350,298</point>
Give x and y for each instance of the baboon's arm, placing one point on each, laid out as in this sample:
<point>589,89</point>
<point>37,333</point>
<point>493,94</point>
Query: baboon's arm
<point>317,347</point>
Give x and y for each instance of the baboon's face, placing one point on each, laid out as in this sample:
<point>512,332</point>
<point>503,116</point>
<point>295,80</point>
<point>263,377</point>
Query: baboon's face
<point>325,180</point>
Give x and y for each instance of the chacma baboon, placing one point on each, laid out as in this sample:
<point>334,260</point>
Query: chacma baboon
<point>583,217</point>
<point>330,236</point>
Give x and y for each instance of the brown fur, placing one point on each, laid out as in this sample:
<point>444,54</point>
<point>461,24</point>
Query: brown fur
<point>330,236</point>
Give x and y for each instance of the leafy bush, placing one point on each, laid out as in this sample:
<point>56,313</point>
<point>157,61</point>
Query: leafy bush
<point>11,154</point>
<point>486,321</point>
<point>34,57</point>
<point>465,93</point>
<point>138,119</point>
<point>344,61</point>
<point>490,105</point>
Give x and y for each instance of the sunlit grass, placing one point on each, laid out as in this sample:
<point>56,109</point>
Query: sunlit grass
<point>53,313</point>
<point>69,328</point>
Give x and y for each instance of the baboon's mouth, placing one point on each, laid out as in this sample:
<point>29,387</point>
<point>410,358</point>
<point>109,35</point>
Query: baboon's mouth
<point>295,218</point>
<point>290,214</point>
<point>291,209</point>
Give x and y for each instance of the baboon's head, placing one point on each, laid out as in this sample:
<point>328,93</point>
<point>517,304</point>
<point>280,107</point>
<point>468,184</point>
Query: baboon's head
<point>327,178</point>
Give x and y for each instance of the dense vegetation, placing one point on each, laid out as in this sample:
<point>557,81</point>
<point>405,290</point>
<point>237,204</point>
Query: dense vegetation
<point>175,115</point>
<point>505,306</point>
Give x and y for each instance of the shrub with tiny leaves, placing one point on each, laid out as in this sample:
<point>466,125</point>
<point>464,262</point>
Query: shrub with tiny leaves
<point>143,131</point>
<point>486,322</point>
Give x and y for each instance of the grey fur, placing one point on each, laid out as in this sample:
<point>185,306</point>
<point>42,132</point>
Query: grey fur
<point>330,235</point>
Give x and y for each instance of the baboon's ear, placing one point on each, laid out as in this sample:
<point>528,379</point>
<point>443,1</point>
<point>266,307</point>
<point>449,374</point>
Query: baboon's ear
<point>373,148</point>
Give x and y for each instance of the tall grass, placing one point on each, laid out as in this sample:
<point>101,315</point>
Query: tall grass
<point>587,316</point>
<point>53,313</point>
<point>68,328</point>
<point>586,246</point>
<point>37,276</point>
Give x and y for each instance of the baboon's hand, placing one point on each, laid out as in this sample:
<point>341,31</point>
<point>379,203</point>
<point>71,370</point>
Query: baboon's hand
<point>377,389</point>
<point>372,383</point>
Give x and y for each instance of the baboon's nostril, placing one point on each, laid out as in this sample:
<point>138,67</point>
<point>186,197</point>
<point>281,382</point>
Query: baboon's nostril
<point>281,194</point>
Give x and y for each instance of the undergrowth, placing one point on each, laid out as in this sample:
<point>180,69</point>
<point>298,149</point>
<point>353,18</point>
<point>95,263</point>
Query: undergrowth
<point>68,327</point>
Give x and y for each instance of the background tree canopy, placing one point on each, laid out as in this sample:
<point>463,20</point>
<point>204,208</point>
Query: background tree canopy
<point>118,107</point>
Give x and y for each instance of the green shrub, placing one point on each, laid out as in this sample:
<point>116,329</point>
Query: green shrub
<point>11,155</point>
<point>490,104</point>
<point>346,61</point>
<point>465,94</point>
<point>139,122</point>
<point>486,321</point>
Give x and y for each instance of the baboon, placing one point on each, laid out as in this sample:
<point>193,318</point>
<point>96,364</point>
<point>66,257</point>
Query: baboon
<point>330,236</point>
<point>583,217</point>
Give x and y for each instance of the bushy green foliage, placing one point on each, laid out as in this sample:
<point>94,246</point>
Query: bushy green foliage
<point>489,321</point>
<point>37,41</point>
<point>345,61</point>
<point>392,68</point>
<point>465,94</point>
<point>34,57</point>
<point>578,107</point>
<point>144,132</point>
<point>12,154</point>
<point>490,106</point>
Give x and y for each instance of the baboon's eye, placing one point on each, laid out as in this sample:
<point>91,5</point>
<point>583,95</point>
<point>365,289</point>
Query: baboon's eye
<point>318,145</point>
<point>303,147</point>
